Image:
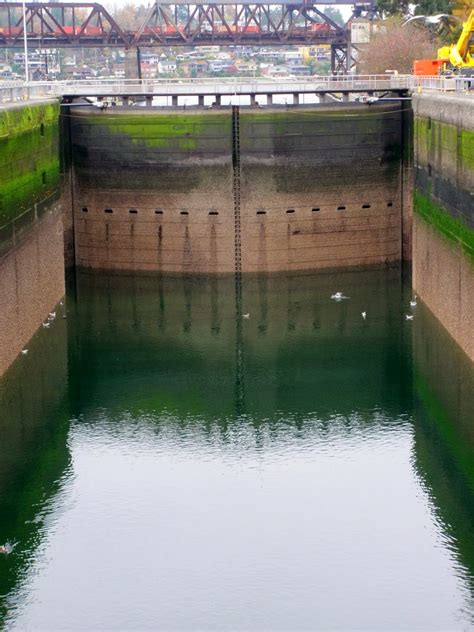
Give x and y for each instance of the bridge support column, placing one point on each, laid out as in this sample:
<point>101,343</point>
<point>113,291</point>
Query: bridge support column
<point>124,101</point>
<point>149,101</point>
<point>269,99</point>
<point>253,100</point>
<point>219,100</point>
<point>201,100</point>
<point>296,98</point>
<point>131,64</point>
<point>174,101</point>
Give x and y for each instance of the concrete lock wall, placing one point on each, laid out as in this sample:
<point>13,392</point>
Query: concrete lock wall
<point>193,191</point>
<point>443,231</point>
<point>31,237</point>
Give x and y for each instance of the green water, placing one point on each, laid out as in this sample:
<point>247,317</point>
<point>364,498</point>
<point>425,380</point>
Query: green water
<point>166,464</point>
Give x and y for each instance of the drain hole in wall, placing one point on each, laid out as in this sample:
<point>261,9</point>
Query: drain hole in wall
<point>365,205</point>
<point>261,212</point>
<point>213,212</point>
<point>108,210</point>
<point>389,204</point>
<point>290,210</point>
<point>133,211</point>
<point>341,208</point>
<point>158,211</point>
<point>316,209</point>
<point>85,209</point>
<point>184,213</point>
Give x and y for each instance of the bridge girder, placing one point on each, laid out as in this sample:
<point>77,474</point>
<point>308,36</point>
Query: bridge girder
<point>184,23</point>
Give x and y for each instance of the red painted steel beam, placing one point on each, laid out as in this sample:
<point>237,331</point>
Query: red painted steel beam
<point>70,24</point>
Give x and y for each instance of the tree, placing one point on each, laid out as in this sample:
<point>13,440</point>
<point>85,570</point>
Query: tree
<point>433,7</point>
<point>394,47</point>
<point>388,8</point>
<point>393,7</point>
<point>334,14</point>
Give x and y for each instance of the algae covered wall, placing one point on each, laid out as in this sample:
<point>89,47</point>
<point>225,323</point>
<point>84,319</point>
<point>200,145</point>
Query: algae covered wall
<point>153,191</point>
<point>321,188</point>
<point>29,157</point>
<point>31,236</point>
<point>443,231</point>
<point>289,189</point>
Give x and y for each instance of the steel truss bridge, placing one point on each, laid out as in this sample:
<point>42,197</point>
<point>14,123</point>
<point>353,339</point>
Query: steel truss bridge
<point>184,23</point>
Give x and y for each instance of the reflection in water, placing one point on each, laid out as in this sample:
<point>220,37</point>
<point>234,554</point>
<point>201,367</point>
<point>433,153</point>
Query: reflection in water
<point>33,451</point>
<point>299,469</point>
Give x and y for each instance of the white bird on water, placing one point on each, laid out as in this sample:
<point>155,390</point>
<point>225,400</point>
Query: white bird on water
<point>51,315</point>
<point>46,325</point>
<point>338,296</point>
<point>364,315</point>
<point>246,316</point>
<point>24,351</point>
<point>413,301</point>
<point>409,316</point>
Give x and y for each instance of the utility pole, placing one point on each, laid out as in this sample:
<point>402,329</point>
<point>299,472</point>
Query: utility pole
<point>25,43</point>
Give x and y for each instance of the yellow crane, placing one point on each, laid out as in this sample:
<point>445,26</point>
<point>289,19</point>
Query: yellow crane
<point>460,56</point>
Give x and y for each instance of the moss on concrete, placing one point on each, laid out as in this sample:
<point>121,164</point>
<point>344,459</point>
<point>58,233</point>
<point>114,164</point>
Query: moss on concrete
<point>29,157</point>
<point>445,137</point>
<point>25,118</point>
<point>467,149</point>
<point>162,130</point>
<point>453,229</point>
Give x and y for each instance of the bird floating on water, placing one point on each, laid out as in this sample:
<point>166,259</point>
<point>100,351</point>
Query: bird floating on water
<point>246,316</point>
<point>52,315</point>
<point>364,315</point>
<point>409,316</point>
<point>338,296</point>
<point>24,351</point>
<point>46,325</point>
<point>413,301</point>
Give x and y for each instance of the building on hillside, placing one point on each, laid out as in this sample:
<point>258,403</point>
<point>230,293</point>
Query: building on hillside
<point>166,67</point>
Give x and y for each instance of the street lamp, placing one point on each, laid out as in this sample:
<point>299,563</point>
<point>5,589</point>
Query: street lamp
<point>25,44</point>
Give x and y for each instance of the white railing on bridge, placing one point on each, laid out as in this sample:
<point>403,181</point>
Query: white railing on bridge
<point>11,91</point>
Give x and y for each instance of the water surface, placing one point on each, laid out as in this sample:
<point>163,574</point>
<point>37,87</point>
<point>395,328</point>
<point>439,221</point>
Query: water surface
<point>167,464</point>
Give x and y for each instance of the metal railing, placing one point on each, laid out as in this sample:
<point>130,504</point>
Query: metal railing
<point>12,91</point>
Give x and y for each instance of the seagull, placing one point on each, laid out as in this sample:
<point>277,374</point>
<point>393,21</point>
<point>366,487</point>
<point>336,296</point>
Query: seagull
<point>46,325</point>
<point>364,315</point>
<point>338,296</point>
<point>52,315</point>
<point>246,316</point>
<point>409,316</point>
<point>24,351</point>
<point>413,302</point>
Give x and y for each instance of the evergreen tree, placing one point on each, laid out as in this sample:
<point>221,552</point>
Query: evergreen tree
<point>393,7</point>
